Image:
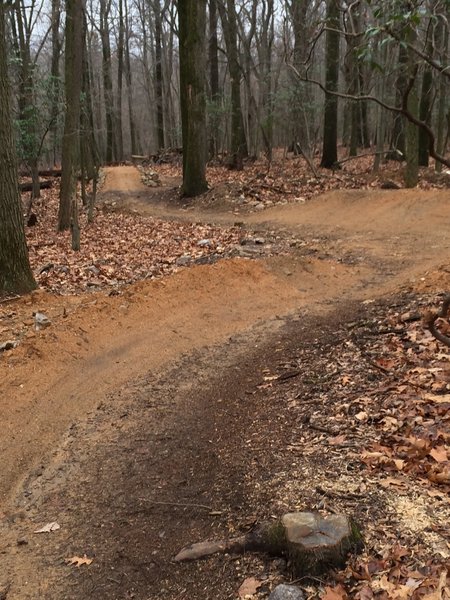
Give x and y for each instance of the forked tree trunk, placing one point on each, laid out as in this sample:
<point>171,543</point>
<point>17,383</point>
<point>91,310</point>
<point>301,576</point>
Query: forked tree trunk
<point>15,271</point>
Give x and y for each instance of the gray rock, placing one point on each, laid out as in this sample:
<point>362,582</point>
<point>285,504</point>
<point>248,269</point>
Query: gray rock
<point>286,592</point>
<point>204,243</point>
<point>259,240</point>
<point>9,345</point>
<point>93,269</point>
<point>184,260</point>
<point>260,206</point>
<point>41,321</point>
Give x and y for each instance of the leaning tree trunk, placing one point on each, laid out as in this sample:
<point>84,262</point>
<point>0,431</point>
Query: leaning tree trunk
<point>192,24</point>
<point>15,271</point>
<point>329,154</point>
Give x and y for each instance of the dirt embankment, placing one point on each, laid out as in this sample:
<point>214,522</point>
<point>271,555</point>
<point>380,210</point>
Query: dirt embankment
<point>112,351</point>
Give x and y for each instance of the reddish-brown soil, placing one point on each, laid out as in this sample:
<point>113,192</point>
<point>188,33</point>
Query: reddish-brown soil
<point>138,421</point>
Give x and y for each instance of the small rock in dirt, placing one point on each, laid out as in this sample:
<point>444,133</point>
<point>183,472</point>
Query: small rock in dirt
<point>389,185</point>
<point>260,206</point>
<point>286,592</point>
<point>410,317</point>
<point>204,243</point>
<point>9,345</point>
<point>93,269</point>
<point>22,541</point>
<point>41,321</point>
<point>183,261</point>
<point>46,268</point>
<point>241,200</point>
<point>259,240</point>
<point>246,240</point>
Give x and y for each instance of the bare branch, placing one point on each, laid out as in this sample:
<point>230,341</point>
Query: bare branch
<point>430,319</point>
<point>403,110</point>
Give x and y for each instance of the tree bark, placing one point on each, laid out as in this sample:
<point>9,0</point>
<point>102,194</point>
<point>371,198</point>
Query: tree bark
<point>303,118</point>
<point>15,272</point>
<point>214,90</point>
<point>120,60</point>
<point>105,7</point>
<point>159,75</point>
<point>73,85</point>
<point>129,82</point>
<point>192,24</point>
<point>329,154</point>
<point>238,148</point>
<point>55,78</point>
<point>398,143</point>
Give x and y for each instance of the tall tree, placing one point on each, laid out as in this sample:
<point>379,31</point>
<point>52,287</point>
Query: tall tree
<point>105,9</point>
<point>302,101</point>
<point>73,66</point>
<point>129,81</point>
<point>329,154</point>
<point>230,30</point>
<point>159,73</point>
<point>192,25</point>
<point>15,271</point>
<point>214,89</point>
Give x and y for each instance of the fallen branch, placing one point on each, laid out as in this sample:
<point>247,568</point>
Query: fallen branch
<point>28,186</point>
<point>430,318</point>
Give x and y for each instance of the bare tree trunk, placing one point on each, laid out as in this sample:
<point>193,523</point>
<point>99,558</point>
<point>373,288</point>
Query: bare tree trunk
<point>443,37</point>
<point>214,90</point>
<point>238,142</point>
<point>329,154</point>
<point>412,132</point>
<point>15,272</point>
<point>105,7</point>
<point>159,74</point>
<point>120,58</point>
<point>26,100</point>
<point>129,82</point>
<point>192,24</point>
<point>398,143</point>
<point>55,78</point>
<point>73,85</point>
<point>302,112</point>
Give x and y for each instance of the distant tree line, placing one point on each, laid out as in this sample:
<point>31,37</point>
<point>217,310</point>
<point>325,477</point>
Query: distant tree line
<point>97,81</point>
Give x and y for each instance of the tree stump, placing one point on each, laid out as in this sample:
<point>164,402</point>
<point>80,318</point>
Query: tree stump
<point>313,544</point>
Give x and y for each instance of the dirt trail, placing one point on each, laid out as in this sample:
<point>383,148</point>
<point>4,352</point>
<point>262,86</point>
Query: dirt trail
<point>357,245</point>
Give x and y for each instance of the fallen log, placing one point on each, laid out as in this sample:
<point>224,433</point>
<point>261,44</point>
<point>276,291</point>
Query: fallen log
<point>43,185</point>
<point>312,543</point>
<point>44,173</point>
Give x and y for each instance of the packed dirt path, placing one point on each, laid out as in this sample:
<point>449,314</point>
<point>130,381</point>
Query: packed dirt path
<point>69,392</point>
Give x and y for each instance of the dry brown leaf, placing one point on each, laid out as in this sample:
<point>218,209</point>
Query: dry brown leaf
<point>336,593</point>
<point>439,454</point>
<point>249,587</point>
<point>79,560</point>
<point>442,590</point>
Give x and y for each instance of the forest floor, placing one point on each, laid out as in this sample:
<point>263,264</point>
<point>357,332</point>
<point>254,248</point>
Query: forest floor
<point>209,365</point>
